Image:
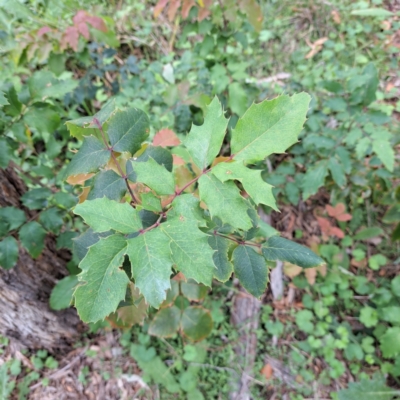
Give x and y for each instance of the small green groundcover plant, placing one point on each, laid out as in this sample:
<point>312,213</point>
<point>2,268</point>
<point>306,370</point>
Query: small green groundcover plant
<point>183,210</point>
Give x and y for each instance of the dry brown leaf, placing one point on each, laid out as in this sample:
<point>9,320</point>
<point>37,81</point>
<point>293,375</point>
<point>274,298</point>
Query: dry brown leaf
<point>336,16</point>
<point>311,274</point>
<point>338,212</point>
<point>78,179</point>
<point>267,371</point>
<point>291,270</point>
<point>83,196</point>
<point>316,47</point>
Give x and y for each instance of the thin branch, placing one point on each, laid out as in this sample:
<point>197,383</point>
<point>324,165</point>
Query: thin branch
<point>238,241</point>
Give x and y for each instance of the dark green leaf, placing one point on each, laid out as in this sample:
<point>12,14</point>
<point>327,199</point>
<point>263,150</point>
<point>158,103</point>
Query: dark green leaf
<point>128,129</point>
<point>5,152</point>
<point>8,252</point>
<point>91,156</point>
<point>251,270</point>
<point>278,248</point>
<point>82,243</point>
<point>36,199</point>
<point>12,216</point>
<point>32,237</point>
<point>51,220</point>
<point>368,233</point>
<point>224,266</point>
<point>108,184</point>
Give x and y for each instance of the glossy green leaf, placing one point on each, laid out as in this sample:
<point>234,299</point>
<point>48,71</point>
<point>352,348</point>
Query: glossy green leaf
<point>91,156</point>
<point>104,214</point>
<point>107,184</point>
<point>204,142</point>
<point>190,250</point>
<point>8,252</point>
<point>166,322</point>
<point>151,262</point>
<point>259,190</point>
<point>62,294</point>
<point>155,176</point>
<point>269,127</point>
<point>279,248</point>
<point>32,237</point>
<point>196,323</point>
<point>221,260</point>
<point>224,201</point>
<point>251,270</point>
<point>128,129</point>
<point>103,282</point>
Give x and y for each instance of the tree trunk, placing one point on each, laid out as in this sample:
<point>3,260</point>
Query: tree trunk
<point>25,316</point>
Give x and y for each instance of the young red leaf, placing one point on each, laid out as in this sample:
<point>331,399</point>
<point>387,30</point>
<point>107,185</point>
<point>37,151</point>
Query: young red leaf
<point>165,138</point>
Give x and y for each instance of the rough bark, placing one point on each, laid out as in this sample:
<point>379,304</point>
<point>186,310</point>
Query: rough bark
<point>244,316</point>
<point>25,316</point>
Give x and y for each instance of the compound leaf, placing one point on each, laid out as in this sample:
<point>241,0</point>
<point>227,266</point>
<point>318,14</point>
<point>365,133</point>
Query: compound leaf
<point>128,129</point>
<point>103,281</point>
<point>108,184</point>
<point>259,190</point>
<point>279,248</point>
<point>251,270</point>
<point>190,249</point>
<point>204,142</point>
<point>269,127</point>
<point>91,156</point>
<point>104,214</point>
<point>151,262</point>
<point>224,201</point>
<point>155,176</point>
<point>224,266</point>
<point>188,207</point>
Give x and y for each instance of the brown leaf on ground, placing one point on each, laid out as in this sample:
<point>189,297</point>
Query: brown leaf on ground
<point>336,16</point>
<point>267,371</point>
<point>316,47</point>
<point>328,229</point>
<point>338,212</point>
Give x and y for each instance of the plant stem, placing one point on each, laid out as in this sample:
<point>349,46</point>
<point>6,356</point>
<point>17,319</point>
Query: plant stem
<point>238,241</point>
<point>110,149</point>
